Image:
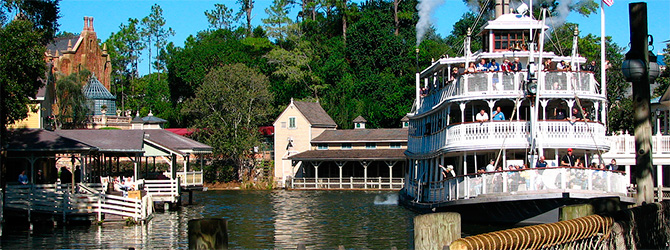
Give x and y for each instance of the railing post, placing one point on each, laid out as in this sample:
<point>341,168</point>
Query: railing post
<point>504,184</point>
<point>563,178</point>
<point>590,179</point>
<point>100,196</point>
<point>483,183</point>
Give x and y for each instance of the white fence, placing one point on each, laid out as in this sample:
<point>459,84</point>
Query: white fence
<point>517,181</point>
<point>190,179</point>
<point>625,144</point>
<point>162,190</point>
<point>59,200</point>
<point>348,183</point>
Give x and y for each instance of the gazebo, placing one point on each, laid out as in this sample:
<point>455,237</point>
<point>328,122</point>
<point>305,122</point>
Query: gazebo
<point>98,97</point>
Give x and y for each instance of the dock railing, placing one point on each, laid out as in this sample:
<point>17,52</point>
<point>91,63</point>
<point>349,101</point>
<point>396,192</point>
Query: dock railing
<point>190,179</point>
<point>163,190</point>
<point>518,181</point>
<point>382,183</point>
<point>87,200</point>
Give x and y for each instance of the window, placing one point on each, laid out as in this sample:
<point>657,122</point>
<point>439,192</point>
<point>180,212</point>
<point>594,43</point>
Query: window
<point>291,123</point>
<point>322,146</point>
<point>283,124</point>
<point>370,145</point>
<point>358,125</point>
<point>346,145</point>
<point>395,144</point>
<point>506,40</point>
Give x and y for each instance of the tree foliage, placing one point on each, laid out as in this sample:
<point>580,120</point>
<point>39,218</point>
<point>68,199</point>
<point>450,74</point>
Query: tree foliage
<point>221,17</point>
<point>155,34</point>
<point>22,68</point>
<point>229,109</point>
<point>71,109</point>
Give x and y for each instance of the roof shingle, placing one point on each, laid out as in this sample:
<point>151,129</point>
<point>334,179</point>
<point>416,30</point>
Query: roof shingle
<point>351,155</point>
<point>363,135</point>
<point>315,114</point>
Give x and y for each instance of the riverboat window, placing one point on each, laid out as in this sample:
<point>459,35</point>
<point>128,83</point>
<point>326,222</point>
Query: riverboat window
<point>291,123</point>
<point>395,144</point>
<point>346,145</point>
<point>370,145</point>
<point>506,40</point>
<point>322,146</point>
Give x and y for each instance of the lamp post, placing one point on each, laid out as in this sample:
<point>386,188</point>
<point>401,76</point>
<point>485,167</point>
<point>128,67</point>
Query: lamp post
<point>636,68</point>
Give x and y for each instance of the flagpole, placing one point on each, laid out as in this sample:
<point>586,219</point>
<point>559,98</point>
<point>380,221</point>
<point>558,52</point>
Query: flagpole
<point>603,78</point>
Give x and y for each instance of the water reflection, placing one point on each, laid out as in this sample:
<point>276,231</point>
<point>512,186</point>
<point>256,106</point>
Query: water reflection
<point>256,220</point>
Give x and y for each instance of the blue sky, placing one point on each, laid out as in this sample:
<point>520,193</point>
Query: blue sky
<point>186,18</point>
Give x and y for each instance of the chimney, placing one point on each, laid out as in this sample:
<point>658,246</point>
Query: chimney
<point>502,7</point>
<point>90,25</point>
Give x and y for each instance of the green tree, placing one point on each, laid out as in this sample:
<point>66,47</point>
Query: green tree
<point>124,48</point>
<point>71,109</point>
<point>22,68</point>
<point>664,79</point>
<point>229,109</point>
<point>153,30</point>
<point>43,14</point>
<point>278,22</point>
<point>221,17</point>
<point>246,6</point>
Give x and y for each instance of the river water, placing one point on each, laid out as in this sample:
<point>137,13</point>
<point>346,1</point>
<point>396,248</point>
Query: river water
<point>277,219</point>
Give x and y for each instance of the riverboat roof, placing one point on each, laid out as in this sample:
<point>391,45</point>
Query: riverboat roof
<point>40,140</point>
<point>350,155</point>
<point>363,135</point>
<point>514,22</point>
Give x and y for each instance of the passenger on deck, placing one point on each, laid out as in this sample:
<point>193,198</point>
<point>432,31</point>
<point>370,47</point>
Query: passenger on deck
<point>547,65</point>
<point>491,167</point>
<point>506,66</point>
<point>576,115</point>
<point>454,74</point>
<point>558,114</point>
<point>39,178</point>
<point>516,65</point>
<point>591,67</point>
<point>561,66</point>
<point>482,65</point>
<point>482,116</point>
<point>612,165</point>
<point>494,66</point>
<point>77,175</point>
<point>448,172</point>
<point>541,163</point>
<point>498,115</point>
<point>472,68</point>
<point>569,159</point>
<point>23,179</point>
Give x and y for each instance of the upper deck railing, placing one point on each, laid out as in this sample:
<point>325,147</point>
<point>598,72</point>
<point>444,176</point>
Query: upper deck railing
<point>510,134</point>
<point>499,84</point>
<point>518,181</point>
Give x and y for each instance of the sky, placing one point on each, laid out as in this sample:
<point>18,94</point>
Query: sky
<point>186,17</point>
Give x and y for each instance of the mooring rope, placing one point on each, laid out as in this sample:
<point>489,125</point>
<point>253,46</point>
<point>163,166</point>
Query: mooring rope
<point>540,236</point>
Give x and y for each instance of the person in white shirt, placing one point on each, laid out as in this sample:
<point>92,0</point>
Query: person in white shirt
<point>482,116</point>
<point>491,167</point>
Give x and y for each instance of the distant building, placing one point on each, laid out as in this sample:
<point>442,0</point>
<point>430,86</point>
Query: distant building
<point>294,130</point>
<point>309,150</point>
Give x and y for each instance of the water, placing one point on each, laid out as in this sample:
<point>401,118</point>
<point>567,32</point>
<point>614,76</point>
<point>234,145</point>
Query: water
<point>256,220</point>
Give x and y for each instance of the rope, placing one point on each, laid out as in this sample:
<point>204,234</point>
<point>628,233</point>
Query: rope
<point>580,233</point>
<point>581,110</point>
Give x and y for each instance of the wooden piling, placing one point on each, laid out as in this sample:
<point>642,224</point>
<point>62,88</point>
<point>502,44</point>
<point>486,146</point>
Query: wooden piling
<point>574,211</point>
<point>209,233</point>
<point>436,230</point>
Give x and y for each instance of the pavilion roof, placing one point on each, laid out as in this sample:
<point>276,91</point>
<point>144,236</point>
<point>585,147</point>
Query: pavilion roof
<point>110,141</point>
<point>363,135</point>
<point>175,142</point>
<point>40,140</point>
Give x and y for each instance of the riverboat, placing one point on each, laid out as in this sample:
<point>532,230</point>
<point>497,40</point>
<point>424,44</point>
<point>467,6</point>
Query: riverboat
<point>448,148</point>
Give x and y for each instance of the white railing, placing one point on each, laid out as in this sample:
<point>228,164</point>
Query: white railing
<point>515,134</point>
<point>348,183</point>
<point>190,179</point>
<point>138,209</point>
<point>625,144</point>
<point>58,200</point>
<point>162,190</point>
<point>518,182</point>
<point>491,84</point>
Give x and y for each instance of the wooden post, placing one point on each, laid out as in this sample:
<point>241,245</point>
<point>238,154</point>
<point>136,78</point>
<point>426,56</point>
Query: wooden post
<point>211,233</point>
<point>436,230</point>
<point>575,211</point>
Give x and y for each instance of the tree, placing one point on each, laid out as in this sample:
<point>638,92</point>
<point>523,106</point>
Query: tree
<point>278,22</point>
<point>295,66</point>
<point>152,29</point>
<point>246,6</point>
<point>43,14</point>
<point>221,17</point>
<point>229,110</point>
<point>664,79</point>
<point>22,68</point>
<point>124,48</point>
<point>71,109</point>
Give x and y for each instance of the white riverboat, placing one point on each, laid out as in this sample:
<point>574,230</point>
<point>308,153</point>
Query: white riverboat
<point>444,132</point>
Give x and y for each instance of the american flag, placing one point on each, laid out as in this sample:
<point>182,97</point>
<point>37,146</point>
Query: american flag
<point>608,2</point>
